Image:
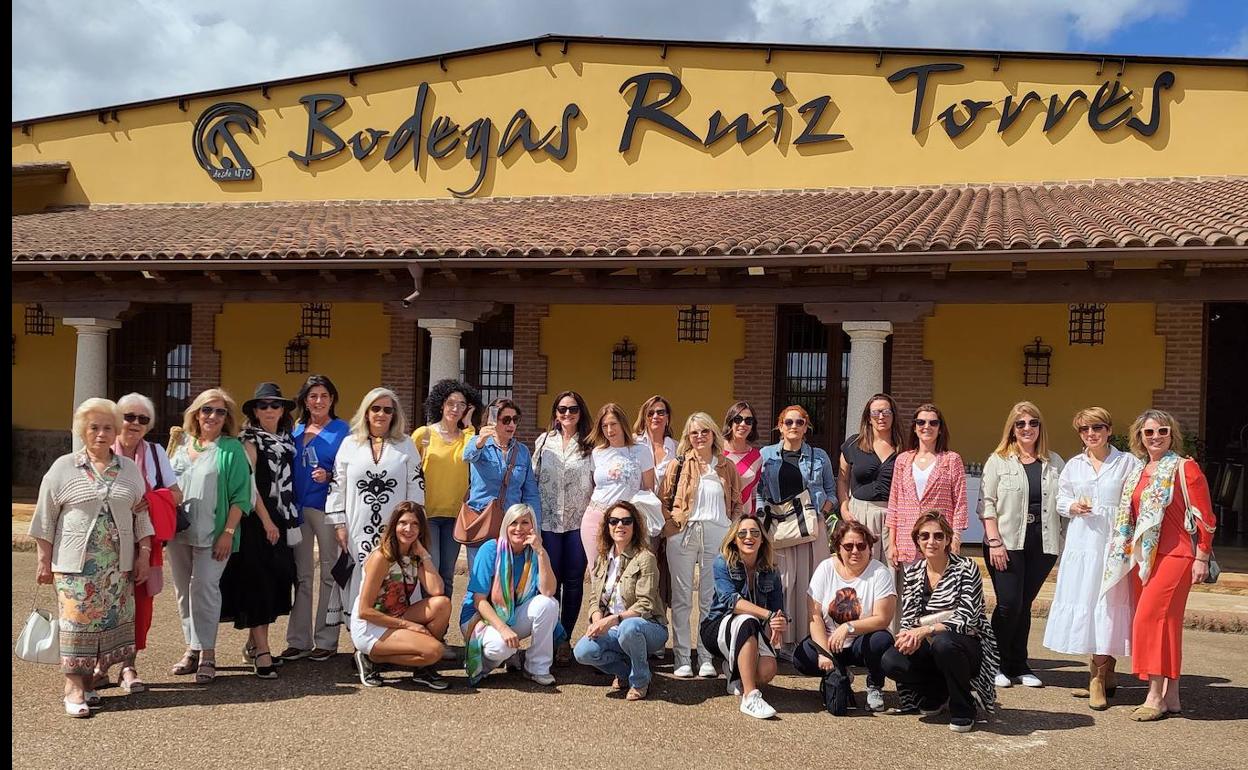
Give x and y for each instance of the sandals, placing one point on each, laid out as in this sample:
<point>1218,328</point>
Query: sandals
<point>132,686</point>
<point>76,710</point>
<point>188,664</point>
<point>264,672</point>
<point>1147,714</point>
<point>206,672</point>
<point>637,693</point>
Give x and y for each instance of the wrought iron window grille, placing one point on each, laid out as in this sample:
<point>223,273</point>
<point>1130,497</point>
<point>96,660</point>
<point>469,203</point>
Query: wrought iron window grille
<point>39,323</point>
<point>624,361</point>
<point>693,324</point>
<point>297,355</point>
<point>1036,360</point>
<point>314,320</point>
<point>1087,324</point>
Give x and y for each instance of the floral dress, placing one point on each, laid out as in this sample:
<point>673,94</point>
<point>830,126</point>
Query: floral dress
<point>97,604</point>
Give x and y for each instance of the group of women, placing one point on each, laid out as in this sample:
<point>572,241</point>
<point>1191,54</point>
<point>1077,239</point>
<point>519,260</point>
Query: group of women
<point>641,511</point>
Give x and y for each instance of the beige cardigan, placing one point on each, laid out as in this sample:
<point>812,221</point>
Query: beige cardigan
<point>69,504</point>
<point>1003,496</point>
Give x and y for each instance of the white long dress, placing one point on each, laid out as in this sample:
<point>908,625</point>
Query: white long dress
<point>1081,620</point>
<point>363,494</point>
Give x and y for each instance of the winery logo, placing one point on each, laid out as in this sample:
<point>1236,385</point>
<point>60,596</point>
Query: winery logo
<point>214,138</point>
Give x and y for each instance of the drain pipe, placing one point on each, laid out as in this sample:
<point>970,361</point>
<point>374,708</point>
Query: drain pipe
<point>418,272</point>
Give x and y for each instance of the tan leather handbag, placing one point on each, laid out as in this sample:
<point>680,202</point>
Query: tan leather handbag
<point>473,527</point>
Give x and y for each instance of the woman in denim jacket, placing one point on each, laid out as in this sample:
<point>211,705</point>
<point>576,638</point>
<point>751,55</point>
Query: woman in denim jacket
<point>747,620</point>
<point>789,468</point>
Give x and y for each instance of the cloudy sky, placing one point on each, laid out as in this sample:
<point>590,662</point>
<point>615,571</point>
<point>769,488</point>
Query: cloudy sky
<point>79,54</point>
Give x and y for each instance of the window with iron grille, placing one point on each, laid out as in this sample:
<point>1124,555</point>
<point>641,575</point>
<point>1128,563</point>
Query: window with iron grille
<point>1036,359</point>
<point>151,354</point>
<point>804,375</point>
<point>486,355</point>
<point>1087,324</point>
<point>624,361</point>
<point>693,324</point>
<point>39,323</point>
<point>314,320</point>
<point>297,355</point>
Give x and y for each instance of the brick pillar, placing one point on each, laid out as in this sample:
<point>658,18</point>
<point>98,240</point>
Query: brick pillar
<point>205,359</point>
<point>398,365</point>
<point>911,374</point>
<point>753,375</point>
<point>1182,324</point>
<point>528,367</point>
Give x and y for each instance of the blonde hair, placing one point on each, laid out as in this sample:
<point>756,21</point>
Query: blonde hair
<point>1091,416</point>
<point>703,419</point>
<point>1137,437</point>
<point>514,514</point>
<point>641,424</point>
<point>1009,442</point>
<point>94,406</point>
<point>190,420</point>
<point>732,554</point>
<point>398,421</point>
<point>598,438</point>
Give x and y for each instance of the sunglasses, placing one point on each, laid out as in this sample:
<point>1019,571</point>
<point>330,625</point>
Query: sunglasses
<point>1032,423</point>
<point>881,412</point>
<point>739,419</point>
<point>937,536</point>
<point>851,547</point>
<point>574,409</point>
<point>701,433</point>
<point>626,521</point>
<point>1097,428</point>
<point>507,420</point>
<point>1163,432</point>
<point>794,423</point>
<point>269,405</point>
<point>924,423</point>
<point>749,534</point>
<point>141,419</point>
<point>379,409</point>
<point>212,411</point>
<point>657,413</point>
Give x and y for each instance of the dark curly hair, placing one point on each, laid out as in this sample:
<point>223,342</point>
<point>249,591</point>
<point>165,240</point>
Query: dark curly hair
<point>442,390</point>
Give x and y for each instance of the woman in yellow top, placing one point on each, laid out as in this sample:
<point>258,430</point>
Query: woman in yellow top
<point>449,410</point>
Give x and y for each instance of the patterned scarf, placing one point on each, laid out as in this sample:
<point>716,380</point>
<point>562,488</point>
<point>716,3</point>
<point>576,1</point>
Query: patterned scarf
<point>1134,542</point>
<point>505,600</point>
<point>277,452</point>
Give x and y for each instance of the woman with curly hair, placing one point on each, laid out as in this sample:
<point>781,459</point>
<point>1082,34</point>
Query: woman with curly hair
<point>441,440</point>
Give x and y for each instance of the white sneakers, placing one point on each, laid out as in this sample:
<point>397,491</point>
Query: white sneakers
<point>684,671</point>
<point>1001,680</point>
<point>754,705</point>
<point>1026,680</point>
<point>545,680</point>
<point>707,669</point>
<point>875,699</point>
<point>1030,680</point>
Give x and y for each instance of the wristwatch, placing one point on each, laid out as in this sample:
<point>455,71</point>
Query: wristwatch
<point>850,628</point>
<point>229,531</point>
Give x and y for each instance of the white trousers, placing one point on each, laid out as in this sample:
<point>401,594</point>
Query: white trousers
<point>536,618</point>
<point>197,583</point>
<point>696,545</point>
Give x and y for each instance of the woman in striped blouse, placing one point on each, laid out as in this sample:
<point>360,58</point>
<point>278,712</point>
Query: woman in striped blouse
<point>740,432</point>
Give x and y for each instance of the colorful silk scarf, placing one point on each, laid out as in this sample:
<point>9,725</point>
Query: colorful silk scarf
<point>1133,541</point>
<point>505,598</point>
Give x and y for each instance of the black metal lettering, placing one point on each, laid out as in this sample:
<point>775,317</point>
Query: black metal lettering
<point>443,128</point>
<point>652,111</point>
<point>480,142</point>
<point>317,127</point>
<point>361,150</point>
<point>1105,100</point>
<point>741,125</point>
<point>1008,116</point>
<point>950,117</point>
<point>809,135</point>
<point>1163,82</point>
<point>411,130</point>
<point>523,126</point>
<point>922,73</point>
<point>560,151</point>
<point>777,87</point>
<point>1054,115</point>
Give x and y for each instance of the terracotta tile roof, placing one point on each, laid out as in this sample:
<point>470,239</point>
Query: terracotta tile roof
<point>1086,215</point>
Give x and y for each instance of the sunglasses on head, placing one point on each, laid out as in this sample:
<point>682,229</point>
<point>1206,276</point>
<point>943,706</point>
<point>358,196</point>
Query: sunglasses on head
<point>742,419</point>
<point>624,521</point>
<point>881,412</point>
<point>1163,431</point>
<point>508,419</point>
<point>851,547</point>
<point>749,534</point>
<point>921,423</point>
<point>1097,428</point>
<point>379,409</point>
<point>213,411</point>
<point>574,409</point>
<point>937,536</point>
<point>1032,423</point>
<point>141,419</point>
<point>794,422</point>
<point>269,405</point>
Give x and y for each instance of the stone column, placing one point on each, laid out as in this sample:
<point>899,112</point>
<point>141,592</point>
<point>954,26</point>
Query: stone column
<point>444,336</point>
<point>91,362</point>
<point>866,365</point>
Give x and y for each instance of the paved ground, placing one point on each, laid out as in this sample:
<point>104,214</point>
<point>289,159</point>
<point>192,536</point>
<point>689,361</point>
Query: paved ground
<point>318,714</point>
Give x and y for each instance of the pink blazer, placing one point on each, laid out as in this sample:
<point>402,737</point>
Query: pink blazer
<point>945,492</point>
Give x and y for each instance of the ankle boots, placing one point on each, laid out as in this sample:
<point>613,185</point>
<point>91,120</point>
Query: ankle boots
<point>1102,685</point>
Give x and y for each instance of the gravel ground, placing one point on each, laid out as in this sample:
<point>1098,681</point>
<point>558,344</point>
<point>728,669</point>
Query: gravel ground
<point>318,714</point>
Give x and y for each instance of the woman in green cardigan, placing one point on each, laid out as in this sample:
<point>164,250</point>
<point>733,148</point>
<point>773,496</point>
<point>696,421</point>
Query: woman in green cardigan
<point>215,478</point>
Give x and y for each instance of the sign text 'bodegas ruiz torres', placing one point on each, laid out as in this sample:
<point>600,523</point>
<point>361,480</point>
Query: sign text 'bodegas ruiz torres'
<point>648,102</point>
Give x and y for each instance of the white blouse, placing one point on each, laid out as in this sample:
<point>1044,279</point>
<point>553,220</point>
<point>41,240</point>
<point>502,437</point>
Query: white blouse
<point>920,477</point>
<point>709,505</point>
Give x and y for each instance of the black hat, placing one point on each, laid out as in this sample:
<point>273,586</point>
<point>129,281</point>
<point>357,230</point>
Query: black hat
<point>267,391</point>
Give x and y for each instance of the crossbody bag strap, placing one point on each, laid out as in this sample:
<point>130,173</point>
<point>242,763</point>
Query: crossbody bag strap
<point>160,478</point>
<point>502,490</point>
<point>1197,520</point>
<point>680,469</point>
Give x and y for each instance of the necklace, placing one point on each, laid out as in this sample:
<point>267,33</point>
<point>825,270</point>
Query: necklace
<point>377,445</point>
<point>201,447</point>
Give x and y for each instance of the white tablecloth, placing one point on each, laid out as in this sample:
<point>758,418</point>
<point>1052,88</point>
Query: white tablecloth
<point>975,528</point>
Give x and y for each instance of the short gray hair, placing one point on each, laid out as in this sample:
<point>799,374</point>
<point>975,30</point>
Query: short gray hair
<point>137,399</point>
<point>94,406</point>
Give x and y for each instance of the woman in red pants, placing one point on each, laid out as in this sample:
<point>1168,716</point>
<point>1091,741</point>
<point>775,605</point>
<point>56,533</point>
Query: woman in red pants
<point>1152,544</point>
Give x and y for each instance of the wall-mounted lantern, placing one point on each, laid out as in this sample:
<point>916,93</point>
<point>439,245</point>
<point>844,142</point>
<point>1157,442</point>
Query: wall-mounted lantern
<point>693,324</point>
<point>1036,359</point>
<point>297,355</point>
<point>1087,324</point>
<point>39,323</point>
<point>314,320</point>
<point>624,361</point>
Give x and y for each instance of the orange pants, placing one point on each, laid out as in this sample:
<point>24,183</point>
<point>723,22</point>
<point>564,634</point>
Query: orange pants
<point>1157,633</point>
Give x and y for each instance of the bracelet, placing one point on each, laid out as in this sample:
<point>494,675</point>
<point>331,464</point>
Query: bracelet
<point>1206,561</point>
<point>993,543</point>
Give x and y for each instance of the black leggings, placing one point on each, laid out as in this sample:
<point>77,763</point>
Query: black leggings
<point>866,650</point>
<point>1016,587</point>
<point>941,668</point>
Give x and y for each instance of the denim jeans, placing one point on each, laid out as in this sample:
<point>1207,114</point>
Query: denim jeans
<point>567,559</point>
<point>624,651</point>
<point>444,549</point>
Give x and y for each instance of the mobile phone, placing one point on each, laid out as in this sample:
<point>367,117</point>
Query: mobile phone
<point>492,417</point>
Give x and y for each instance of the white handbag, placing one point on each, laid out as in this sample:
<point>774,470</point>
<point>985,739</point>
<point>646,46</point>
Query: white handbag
<point>648,505</point>
<point>39,641</point>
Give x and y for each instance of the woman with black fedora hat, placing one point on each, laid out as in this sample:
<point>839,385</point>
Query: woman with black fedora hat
<point>259,580</point>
